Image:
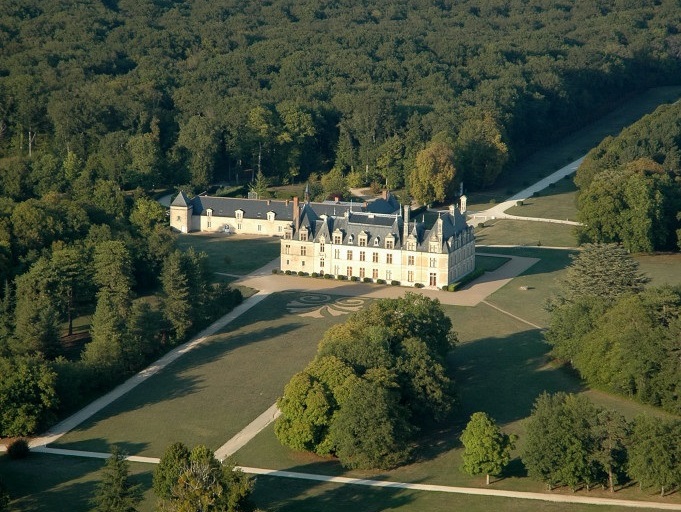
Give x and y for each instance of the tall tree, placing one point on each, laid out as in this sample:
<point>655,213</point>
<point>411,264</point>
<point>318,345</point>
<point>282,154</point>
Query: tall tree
<point>113,273</point>
<point>434,176</point>
<point>480,153</point>
<point>115,492</point>
<point>487,450</point>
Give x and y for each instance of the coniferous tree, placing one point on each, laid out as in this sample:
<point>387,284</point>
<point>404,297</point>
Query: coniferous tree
<point>115,492</point>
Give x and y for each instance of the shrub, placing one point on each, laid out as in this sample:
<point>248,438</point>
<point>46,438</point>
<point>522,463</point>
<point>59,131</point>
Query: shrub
<point>518,203</point>
<point>328,276</point>
<point>275,270</point>
<point>354,278</point>
<point>418,285</point>
<point>445,287</point>
<point>288,272</point>
<point>376,187</point>
<point>314,274</point>
<point>394,283</point>
<point>492,201</point>
<point>18,449</point>
<point>481,225</point>
<point>536,194</point>
<point>452,287</point>
<point>341,277</point>
<point>366,280</point>
<point>301,273</point>
<point>380,281</point>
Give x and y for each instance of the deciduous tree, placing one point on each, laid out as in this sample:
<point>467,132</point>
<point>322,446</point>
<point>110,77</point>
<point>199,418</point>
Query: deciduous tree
<point>434,176</point>
<point>487,450</point>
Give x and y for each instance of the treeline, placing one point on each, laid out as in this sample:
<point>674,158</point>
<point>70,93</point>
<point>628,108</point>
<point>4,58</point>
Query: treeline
<point>630,185</point>
<point>376,380</point>
<point>572,442</point>
<point>161,92</point>
<point>616,334</point>
<point>66,259</point>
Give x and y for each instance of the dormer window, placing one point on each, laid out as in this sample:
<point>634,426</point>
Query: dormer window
<point>390,243</point>
<point>411,245</point>
<point>270,216</point>
<point>337,239</point>
<point>351,239</point>
<point>239,214</point>
<point>362,240</point>
<point>209,212</point>
<point>377,241</point>
<point>434,247</point>
<point>303,235</point>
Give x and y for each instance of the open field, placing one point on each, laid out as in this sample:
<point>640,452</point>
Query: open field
<point>551,158</point>
<point>211,393</point>
<point>556,202</point>
<point>518,232</point>
<point>661,268</point>
<point>232,254</point>
<point>500,366</point>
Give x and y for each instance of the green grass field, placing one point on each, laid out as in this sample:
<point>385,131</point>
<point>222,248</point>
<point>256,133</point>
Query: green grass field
<point>215,390</point>
<point>556,202</point>
<point>232,254</point>
<point>531,233</point>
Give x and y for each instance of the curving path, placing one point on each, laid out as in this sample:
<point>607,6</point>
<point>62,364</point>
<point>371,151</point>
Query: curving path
<point>498,211</point>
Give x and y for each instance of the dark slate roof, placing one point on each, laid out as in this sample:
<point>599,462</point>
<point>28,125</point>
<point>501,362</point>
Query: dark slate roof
<point>181,200</point>
<point>332,208</point>
<point>252,208</point>
<point>380,205</point>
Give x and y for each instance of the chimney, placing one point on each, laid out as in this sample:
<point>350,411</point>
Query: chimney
<point>268,202</point>
<point>405,234</point>
<point>287,201</point>
<point>384,194</point>
<point>296,214</point>
<point>337,199</point>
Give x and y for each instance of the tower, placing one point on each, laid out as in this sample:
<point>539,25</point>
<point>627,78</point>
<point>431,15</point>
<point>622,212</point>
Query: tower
<point>181,210</point>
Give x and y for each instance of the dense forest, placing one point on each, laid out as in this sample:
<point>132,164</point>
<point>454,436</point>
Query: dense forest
<point>630,185</point>
<point>151,92</point>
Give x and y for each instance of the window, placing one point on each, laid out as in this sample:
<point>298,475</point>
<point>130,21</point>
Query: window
<point>287,249</point>
<point>303,251</point>
<point>270,216</point>
<point>238,226</point>
<point>388,275</point>
<point>321,246</point>
<point>433,263</point>
<point>390,244</point>
<point>279,229</point>
<point>336,253</point>
<point>302,263</point>
<point>362,256</point>
<point>349,271</point>
<point>287,235</point>
<point>361,273</point>
<point>377,241</point>
<point>389,258</point>
<point>374,257</point>
<point>303,235</point>
<point>321,264</point>
<point>411,246</point>
<point>374,273</point>
<point>363,241</point>
<point>433,279</point>
<point>410,276</point>
<point>433,247</point>
<point>239,214</point>
<point>208,224</point>
<point>410,260</point>
<point>259,227</point>
<point>178,218</point>
<point>351,239</point>
<point>336,239</point>
<point>349,255</point>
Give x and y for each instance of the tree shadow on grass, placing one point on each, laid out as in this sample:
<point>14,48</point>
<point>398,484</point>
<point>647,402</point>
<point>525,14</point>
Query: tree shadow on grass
<point>500,376</point>
<point>288,494</point>
<point>100,445</point>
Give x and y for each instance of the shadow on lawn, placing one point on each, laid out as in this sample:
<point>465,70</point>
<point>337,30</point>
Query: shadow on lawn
<point>101,445</point>
<point>500,376</point>
<point>284,494</point>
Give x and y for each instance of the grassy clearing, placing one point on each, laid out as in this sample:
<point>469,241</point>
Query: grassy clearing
<point>214,391</point>
<point>517,232</point>
<point>551,158</point>
<point>232,254</point>
<point>661,268</point>
<point>556,202</point>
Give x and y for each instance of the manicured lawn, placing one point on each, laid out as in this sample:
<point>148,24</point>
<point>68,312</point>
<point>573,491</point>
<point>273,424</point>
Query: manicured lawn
<point>215,390</point>
<point>52,483</point>
<point>661,268</point>
<point>570,148</point>
<point>556,202</point>
<point>518,232</point>
<point>232,254</point>
<point>489,263</point>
